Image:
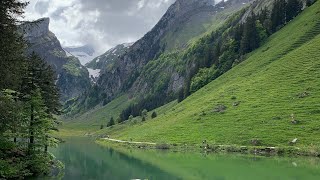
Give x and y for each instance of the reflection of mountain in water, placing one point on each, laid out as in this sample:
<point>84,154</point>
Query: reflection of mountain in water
<point>86,160</point>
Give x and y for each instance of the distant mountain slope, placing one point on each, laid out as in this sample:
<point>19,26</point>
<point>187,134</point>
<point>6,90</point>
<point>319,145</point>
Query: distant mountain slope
<point>84,53</point>
<point>179,17</point>
<point>128,72</point>
<point>271,98</point>
<point>72,77</point>
<point>105,61</point>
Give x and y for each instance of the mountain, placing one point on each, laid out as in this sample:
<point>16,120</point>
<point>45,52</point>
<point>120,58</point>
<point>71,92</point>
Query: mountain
<point>72,77</point>
<point>108,58</point>
<point>106,61</point>
<point>150,65</point>
<point>84,53</point>
<point>269,99</point>
<point>128,69</point>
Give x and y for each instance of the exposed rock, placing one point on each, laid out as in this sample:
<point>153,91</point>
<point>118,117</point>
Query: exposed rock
<point>220,108</point>
<point>236,103</point>
<point>294,141</point>
<point>126,72</point>
<point>72,77</point>
<point>255,142</point>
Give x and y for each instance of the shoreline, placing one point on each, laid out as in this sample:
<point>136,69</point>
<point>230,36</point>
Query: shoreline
<point>248,150</point>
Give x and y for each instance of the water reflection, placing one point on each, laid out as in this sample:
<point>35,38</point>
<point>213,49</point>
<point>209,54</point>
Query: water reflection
<point>86,160</point>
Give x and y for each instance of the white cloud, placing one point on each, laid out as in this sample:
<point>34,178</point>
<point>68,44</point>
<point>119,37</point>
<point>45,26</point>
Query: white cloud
<point>100,23</point>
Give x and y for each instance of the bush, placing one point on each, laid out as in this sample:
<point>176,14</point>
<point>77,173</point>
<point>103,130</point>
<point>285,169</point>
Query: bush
<point>153,115</point>
<point>144,113</point>
<point>163,146</point>
<point>143,118</point>
<point>111,122</point>
<point>220,108</point>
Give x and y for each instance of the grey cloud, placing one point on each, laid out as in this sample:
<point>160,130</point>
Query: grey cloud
<point>122,20</point>
<point>41,7</point>
<point>57,14</point>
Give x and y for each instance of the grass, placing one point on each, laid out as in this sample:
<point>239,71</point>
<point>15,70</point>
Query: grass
<point>267,88</point>
<point>91,121</point>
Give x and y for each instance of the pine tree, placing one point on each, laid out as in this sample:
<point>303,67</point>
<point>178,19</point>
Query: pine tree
<point>12,45</point>
<point>40,77</point>
<point>111,122</point>
<point>250,38</point>
<point>293,8</point>
<point>39,121</point>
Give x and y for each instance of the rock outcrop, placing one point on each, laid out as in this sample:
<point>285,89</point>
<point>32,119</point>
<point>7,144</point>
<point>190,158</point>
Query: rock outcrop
<point>72,77</point>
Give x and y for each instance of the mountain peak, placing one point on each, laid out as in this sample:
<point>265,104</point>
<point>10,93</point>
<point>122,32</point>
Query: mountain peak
<point>36,28</point>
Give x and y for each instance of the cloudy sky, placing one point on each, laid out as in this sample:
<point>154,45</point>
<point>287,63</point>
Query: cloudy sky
<point>100,23</point>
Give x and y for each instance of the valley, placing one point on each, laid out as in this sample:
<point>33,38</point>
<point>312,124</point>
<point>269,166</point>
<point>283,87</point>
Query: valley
<point>174,89</point>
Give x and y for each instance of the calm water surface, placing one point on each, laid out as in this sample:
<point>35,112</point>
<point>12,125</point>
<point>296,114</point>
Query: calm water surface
<point>86,160</point>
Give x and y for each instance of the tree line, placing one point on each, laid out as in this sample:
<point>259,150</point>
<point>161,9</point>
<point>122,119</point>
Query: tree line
<point>226,47</point>
<point>29,101</point>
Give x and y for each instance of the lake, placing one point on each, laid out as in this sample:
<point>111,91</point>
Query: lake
<point>87,160</point>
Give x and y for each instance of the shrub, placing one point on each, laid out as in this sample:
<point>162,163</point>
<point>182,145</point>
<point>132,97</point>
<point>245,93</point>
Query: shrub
<point>111,122</point>
<point>144,113</point>
<point>163,146</point>
<point>220,108</point>
<point>153,115</point>
<point>143,118</point>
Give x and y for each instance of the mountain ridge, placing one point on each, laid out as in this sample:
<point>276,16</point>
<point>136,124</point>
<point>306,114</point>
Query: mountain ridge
<point>72,77</point>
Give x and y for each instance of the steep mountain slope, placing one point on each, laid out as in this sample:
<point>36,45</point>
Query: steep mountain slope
<point>271,98</point>
<point>128,72</point>
<point>128,68</point>
<point>72,77</point>
<point>105,61</point>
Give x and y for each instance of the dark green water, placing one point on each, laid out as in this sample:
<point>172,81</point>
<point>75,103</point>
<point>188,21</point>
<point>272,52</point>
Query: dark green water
<point>86,160</point>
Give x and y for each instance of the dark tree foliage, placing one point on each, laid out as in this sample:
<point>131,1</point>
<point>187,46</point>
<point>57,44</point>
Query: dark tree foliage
<point>149,103</point>
<point>310,2</point>
<point>153,115</point>
<point>181,96</point>
<point>250,39</point>
<point>28,101</point>
<point>111,122</point>
<point>226,47</point>
<point>278,15</point>
<point>11,45</point>
<point>294,7</point>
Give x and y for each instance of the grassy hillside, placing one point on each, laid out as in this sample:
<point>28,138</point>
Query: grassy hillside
<point>92,120</point>
<point>258,99</point>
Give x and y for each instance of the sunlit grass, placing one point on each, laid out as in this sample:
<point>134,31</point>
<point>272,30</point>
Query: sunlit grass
<point>269,87</point>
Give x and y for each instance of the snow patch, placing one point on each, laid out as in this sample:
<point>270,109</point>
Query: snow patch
<point>126,45</point>
<point>94,74</point>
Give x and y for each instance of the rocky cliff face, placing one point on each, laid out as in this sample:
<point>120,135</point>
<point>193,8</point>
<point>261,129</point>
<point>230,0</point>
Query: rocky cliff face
<point>106,61</point>
<point>72,77</point>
